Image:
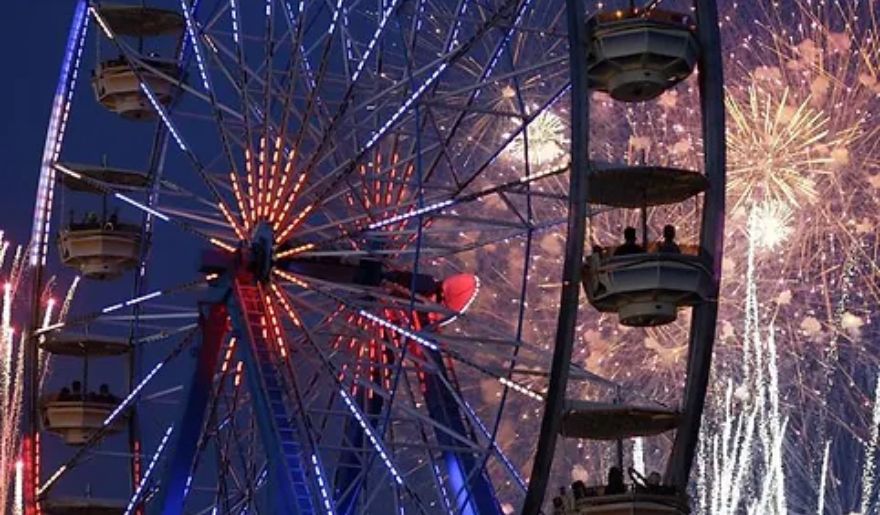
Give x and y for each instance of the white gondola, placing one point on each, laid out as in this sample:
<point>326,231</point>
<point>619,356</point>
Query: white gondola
<point>117,82</point>
<point>637,55</point>
<point>100,252</point>
<point>75,421</point>
<point>118,88</point>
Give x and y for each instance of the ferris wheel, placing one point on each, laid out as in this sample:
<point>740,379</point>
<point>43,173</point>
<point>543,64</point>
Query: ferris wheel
<point>306,236</point>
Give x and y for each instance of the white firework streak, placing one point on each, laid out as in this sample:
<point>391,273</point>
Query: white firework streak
<point>12,346</point>
<point>68,299</point>
<point>741,465</point>
<point>869,469</point>
<point>823,480</point>
<point>743,462</point>
<point>43,357</point>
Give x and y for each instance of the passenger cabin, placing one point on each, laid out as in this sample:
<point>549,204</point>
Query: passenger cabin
<point>635,55</point>
<point>76,420</point>
<point>117,82</point>
<point>633,502</point>
<point>83,506</point>
<point>645,288</point>
<point>100,249</point>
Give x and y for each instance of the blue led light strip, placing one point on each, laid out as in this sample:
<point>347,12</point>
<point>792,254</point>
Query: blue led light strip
<point>132,503</point>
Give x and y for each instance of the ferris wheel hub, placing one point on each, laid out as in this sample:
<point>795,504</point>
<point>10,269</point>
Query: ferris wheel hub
<point>257,256</point>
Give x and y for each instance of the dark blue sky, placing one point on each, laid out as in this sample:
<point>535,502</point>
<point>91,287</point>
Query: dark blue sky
<point>33,38</point>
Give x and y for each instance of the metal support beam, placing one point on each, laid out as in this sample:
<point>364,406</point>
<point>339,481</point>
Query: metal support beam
<point>182,456</point>
<point>473,491</point>
<point>702,336</point>
<point>574,250</point>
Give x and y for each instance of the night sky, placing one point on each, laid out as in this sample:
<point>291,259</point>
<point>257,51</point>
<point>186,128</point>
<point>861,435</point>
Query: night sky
<point>33,39</point>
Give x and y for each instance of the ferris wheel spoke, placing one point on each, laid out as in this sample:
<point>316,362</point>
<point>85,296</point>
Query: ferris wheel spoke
<point>237,223</point>
<point>430,343</point>
<point>437,69</point>
<point>97,315</point>
<point>407,210</point>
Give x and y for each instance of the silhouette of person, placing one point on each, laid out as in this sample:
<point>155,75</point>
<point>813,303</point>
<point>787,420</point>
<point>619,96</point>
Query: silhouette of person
<point>64,395</point>
<point>113,221</point>
<point>629,243</point>
<point>104,393</point>
<point>668,244</point>
<point>76,390</point>
<point>615,481</point>
<point>579,490</point>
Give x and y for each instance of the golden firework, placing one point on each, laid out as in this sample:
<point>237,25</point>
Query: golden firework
<point>779,148</point>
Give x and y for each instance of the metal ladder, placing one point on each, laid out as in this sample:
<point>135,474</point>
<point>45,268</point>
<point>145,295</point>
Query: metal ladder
<point>269,392</point>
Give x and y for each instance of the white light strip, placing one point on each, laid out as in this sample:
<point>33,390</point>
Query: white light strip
<point>539,175</point>
<point>142,207</point>
<point>410,214</point>
<point>233,10</point>
<point>55,136</point>
<point>155,459</point>
<point>113,307</point>
<point>130,302</point>
<point>325,496</point>
<point>386,14</point>
<point>164,116</point>
<point>143,298</point>
<point>191,30</point>
<point>125,198</point>
<point>397,329</point>
<point>406,105</point>
<point>137,389</point>
<point>67,171</point>
<point>521,389</point>
<point>102,23</point>
<point>335,18</point>
<point>495,445</point>
<point>50,328</point>
<point>54,477</point>
<point>377,444</point>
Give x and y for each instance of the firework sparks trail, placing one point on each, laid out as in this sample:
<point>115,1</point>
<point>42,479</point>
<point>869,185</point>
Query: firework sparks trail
<point>869,469</point>
<point>11,368</point>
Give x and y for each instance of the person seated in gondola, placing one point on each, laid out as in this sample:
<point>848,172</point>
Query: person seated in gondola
<point>112,221</point>
<point>104,394</point>
<point>668,245</point>
<point>629,243</point>
<point>652,483</point>
<point>64,394</point>
<point>76,393</point>
<point>615,479</point>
